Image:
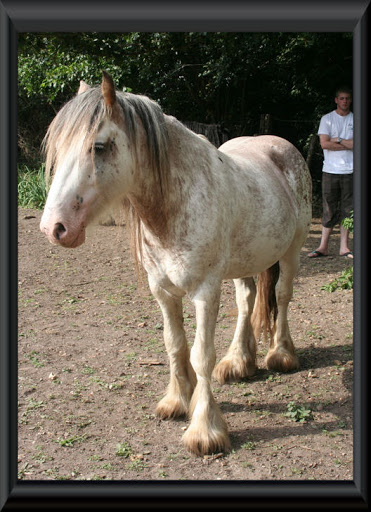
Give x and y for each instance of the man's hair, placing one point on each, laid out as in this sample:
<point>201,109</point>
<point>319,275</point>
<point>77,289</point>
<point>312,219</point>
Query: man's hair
<point>343,88</point>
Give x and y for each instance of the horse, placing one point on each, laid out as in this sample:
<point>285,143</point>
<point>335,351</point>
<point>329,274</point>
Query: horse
<point>198,215</point>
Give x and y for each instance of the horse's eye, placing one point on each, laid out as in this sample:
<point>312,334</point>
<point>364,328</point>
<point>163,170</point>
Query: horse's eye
<point>99,147</point>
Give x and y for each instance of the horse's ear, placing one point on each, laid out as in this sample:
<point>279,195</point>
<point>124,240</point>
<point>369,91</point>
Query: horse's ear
<point>83,87</point>
<point>108,90</point>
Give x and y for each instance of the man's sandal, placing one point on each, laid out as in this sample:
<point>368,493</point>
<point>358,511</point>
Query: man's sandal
<point>317,254</point>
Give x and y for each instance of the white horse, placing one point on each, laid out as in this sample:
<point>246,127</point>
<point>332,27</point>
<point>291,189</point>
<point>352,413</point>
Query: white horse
<point>198,215</point>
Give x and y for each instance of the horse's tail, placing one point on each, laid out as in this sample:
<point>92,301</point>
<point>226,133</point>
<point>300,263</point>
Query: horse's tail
<point>265,307</point>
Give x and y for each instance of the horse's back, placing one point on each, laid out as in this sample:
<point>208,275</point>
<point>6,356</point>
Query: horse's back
<point>279,150</point>
<point>284,157</point>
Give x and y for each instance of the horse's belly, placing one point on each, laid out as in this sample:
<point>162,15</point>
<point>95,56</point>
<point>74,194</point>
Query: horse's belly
<point>250,257</point>
<point>246,268</point>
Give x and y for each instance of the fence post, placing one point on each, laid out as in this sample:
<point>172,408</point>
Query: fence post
<point>311,150</point>
<point>266,123</point>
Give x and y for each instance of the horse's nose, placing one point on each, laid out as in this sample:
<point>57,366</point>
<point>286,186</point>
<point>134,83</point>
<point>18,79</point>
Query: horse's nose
<point>59,231</point>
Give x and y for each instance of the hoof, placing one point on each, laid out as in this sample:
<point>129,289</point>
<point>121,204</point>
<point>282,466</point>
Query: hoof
<point>204,443</point>
<point>170,409</point>
<point>282,361</point>
<point>229,370</point>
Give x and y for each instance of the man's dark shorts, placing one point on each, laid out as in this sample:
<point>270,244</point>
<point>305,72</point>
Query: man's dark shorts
<point>337,198</point>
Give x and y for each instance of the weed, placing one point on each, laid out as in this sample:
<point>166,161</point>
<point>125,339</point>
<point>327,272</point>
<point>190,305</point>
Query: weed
<point>248,465</point>
<point>298,413</point>
<point>95,458</point>
<point>136,465</point>
<point>250,445</point>
<point>343,282</point>
<point>87,370</point>
<point>334,433</point>
<point>34,404</point>
<point>296,471</point>
<point>41,456</point>
<point>26,470</point>
<point>108,466</point>
<point>274,377</point>
<point>34,358</point>
<point>123,450</point>
<point>71,441</point>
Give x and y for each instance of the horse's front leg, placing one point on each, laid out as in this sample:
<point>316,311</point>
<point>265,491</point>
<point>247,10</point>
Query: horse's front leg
<point>208,432</point>
<point>182,377</point>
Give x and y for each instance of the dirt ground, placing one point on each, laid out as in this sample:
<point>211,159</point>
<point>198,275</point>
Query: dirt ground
<point>92,366</point>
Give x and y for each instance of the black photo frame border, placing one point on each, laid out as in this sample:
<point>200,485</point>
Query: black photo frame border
<point>202,15</point>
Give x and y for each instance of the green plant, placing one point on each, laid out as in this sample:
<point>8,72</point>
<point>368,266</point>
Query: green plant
<point>71,441</point>
<point>249,445</point>
<point>348,222</point>
<point>345,280</point>
<point>34,358</point>
<point>31,188</point>
<point>123,450</point>
<point>298,413</point>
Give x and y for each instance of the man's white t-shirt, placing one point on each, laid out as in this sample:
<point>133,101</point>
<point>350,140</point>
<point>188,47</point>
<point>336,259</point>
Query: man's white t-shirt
<point>333,125</point>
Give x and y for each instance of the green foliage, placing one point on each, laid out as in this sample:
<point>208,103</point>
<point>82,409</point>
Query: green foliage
<point>348,222</point>
<point>249,445</point>
<point>69,443</point>
<point>31,188</point>
<point>343,282</point>
<point>209,77</point>
<point>298,413</point>
<point>123,450</point>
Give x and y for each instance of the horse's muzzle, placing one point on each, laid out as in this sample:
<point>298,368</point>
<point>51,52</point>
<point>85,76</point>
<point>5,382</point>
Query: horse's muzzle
<point>58,234</point>
<point>59,231</point>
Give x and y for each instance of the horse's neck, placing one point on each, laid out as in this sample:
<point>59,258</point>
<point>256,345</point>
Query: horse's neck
<point>159,208</point>
<point>190,160</point>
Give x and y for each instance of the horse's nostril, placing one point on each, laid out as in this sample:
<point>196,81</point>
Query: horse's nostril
<point>59,229</point>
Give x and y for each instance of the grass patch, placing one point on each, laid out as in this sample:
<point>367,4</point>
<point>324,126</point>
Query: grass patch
<point>31,188</point>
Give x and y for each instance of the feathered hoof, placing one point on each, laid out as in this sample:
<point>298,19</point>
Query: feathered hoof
<point>229,370</point>
<point>168,409</point>
<point>204,443</point>
<point>282,360</point>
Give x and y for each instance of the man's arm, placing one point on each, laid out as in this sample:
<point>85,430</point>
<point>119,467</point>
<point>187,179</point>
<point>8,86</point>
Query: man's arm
<point>346,143</point>
<point>333,144</point>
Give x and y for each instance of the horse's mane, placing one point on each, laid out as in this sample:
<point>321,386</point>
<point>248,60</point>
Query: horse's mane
<point>78,122</point>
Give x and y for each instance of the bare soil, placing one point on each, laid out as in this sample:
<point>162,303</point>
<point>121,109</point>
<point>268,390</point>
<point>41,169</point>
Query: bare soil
<point>92,366</point>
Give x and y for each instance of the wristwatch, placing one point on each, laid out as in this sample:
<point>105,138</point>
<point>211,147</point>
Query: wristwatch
<point>339,141</point>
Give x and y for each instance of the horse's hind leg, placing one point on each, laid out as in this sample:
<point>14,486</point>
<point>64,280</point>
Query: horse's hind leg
<point>239,362</point>
<point>182,377</point>
<point>281,354</point>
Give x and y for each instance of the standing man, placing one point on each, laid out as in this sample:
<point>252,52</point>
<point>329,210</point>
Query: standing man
<point>336,138</point>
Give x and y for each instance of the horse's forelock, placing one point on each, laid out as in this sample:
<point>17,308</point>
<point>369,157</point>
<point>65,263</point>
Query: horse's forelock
<point>74,125</point>
<point>78,122</point>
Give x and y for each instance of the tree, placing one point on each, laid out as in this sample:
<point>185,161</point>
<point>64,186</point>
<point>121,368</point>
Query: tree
<point>225,78</point>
